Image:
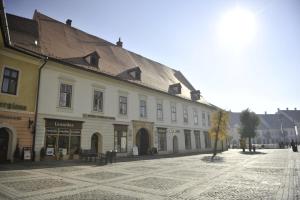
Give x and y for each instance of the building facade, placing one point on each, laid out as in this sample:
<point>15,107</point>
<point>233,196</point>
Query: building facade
<point>97,96</point>
<point>18,78</point>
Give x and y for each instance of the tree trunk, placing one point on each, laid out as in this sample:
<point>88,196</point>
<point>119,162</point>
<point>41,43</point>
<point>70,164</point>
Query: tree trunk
<point>250,146</point>
<point>217,135</point>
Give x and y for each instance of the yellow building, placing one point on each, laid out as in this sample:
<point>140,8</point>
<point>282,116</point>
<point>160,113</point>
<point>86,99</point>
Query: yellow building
<point>19,79</point>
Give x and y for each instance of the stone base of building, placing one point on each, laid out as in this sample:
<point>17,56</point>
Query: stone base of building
<point>16,132</point>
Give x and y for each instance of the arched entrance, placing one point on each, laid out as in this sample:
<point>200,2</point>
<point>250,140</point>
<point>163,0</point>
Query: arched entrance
<point>142,141</point>
<point>4,139</point>
<point>96,143</point>
<point>175,144</point>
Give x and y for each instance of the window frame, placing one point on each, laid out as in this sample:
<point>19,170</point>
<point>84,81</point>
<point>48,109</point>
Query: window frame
<point>162,133</point>
<point>195,116</point>
<point>123,103</point>
<point>159,118</point>
<point>117,129</point>
<point>143,107</point>
<point>93,100</point>
<point>71,96</point>
<point>17,80</point>
<point>173,105</point>
<point>197,142</point>
<point>185,115</point>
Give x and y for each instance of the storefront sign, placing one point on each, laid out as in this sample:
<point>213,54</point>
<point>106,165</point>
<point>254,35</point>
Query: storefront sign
<point>174,131</point>
<point>58,123</point>
<point>27,153</point>
<point>50,151</point>
<point>10,117</point>
<point>12,106</point>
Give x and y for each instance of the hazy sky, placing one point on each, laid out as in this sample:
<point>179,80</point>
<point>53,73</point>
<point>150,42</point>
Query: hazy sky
<point>250,59</point>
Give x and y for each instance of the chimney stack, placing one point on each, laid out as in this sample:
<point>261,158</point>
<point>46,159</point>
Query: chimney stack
<point>119,43</point>
<point>69,22</point>
<point>287,108</point>
<point>278,109</point>
<point>265,112</point>
<point>295,108</point>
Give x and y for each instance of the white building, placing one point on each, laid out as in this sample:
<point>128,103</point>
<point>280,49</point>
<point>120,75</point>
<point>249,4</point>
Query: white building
<point>98,96</point>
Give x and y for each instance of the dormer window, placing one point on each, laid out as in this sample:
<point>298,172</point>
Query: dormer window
<point>175,88</point>
<point>131,74</point>
<point>195,95</point>
<point>135,74</point>
<point>93,59</point>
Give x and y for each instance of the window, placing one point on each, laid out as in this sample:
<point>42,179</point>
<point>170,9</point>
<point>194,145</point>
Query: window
<point>197,139</point>
<point>159,111</point>
<point>143,108</point>
<point>98,101</point>
<point>120,141</point>
<point>203,119</point>
<point>65,95</point>
<point>94,60</point>
<point>187,139</point>
<point>207,140</point>
<point>10,81</point>
<point>173,112</point>
<point>162,139</point>
<point>122,105</point>
<point>195,117</point>
<point>208,119</point>
<point>185,115</point>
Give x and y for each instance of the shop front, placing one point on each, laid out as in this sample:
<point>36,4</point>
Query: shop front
<point>62,138</point>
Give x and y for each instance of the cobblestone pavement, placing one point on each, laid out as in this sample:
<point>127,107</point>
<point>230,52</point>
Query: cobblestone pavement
<point>268,174</point>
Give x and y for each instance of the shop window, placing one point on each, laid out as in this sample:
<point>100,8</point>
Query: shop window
<point>187,137</point>
<point>197,139</point>
<point>98,101</point>
<point>120,138</point>
<point>65,97</point>
<point>63,136</point>
<point>207,140</point>
<point>10,81</point>
<point>162,139</point>
<point>122,105</point>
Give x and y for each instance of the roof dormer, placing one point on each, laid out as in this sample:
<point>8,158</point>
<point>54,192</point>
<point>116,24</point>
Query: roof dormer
<point>195,95</point>
<point>131,74</point>
<point>175,88</point>
<point>93,59</point>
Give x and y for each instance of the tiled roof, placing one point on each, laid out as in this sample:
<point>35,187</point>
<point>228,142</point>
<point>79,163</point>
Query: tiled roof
<point>64,42</point>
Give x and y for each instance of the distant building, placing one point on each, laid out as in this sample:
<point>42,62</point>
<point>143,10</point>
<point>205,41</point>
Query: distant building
<point>273,128</point>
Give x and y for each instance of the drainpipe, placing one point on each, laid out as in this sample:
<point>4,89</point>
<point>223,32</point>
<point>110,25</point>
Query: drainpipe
<point>37,106</point>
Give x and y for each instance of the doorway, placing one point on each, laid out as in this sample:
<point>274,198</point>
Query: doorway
<point>175,144</point>
<point>4,138</point>
<point>96,143</point>
<point>142,141</point>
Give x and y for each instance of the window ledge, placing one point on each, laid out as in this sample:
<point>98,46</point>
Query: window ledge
<point>64,109</point>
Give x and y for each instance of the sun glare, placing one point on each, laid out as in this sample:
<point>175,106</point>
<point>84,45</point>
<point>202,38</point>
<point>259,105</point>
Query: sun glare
<point>237,28</point>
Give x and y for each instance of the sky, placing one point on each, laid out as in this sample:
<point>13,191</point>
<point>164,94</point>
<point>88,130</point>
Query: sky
<point>239,54</point>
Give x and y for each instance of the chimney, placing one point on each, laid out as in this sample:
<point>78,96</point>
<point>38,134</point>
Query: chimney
<point>295,108</point>
<point>69,22</point>
<point>119,43</point>
<point>265,112</point>
<point>287,108</point>
<point>278,109</point>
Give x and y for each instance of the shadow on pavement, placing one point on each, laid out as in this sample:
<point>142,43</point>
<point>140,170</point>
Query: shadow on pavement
<point>251,152</point>
<point>217,159</point>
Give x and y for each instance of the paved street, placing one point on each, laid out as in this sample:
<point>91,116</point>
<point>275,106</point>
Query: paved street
<point>270,174</point>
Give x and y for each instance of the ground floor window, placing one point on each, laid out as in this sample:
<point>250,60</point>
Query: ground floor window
<point>187,137</point>
<point>197,139</point>
<point>207,140</point>
<point>162,139</point>
<point>62,137</point>
<point>120,138</point>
